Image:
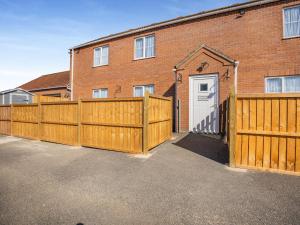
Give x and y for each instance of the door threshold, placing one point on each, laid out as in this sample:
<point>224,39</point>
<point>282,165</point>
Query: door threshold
<point>211,135</point>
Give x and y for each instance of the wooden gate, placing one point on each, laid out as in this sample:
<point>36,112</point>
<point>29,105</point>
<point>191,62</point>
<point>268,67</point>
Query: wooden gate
<point>265,131</point>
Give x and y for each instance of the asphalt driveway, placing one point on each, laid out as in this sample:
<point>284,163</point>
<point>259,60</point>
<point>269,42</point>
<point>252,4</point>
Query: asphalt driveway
<point>46,183</point>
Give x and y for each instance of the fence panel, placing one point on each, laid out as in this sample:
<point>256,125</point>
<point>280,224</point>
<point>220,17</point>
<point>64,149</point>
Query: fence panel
<point>160,120</point>
<point>132,125</point>
<point>114,124</point>
<point>268,131</point>
<point>59,122</point>
<point>5,124</point>
<point>25,121</point>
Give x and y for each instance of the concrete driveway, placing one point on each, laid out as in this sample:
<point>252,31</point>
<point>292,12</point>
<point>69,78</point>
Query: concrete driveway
<point>45,183</point>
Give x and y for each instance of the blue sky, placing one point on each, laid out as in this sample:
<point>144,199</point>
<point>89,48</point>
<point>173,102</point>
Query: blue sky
<point>35,34</point>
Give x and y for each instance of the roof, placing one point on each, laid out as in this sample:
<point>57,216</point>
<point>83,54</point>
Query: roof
<point>177,20</point>
<point>14,89</point>
<point>212,50</point>
<point>48,81</point>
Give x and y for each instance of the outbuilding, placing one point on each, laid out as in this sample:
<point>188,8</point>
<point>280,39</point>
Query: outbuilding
<point>15,96</point>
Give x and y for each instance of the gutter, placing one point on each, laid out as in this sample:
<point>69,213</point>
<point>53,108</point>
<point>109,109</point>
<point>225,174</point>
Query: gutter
<point>175,100</point>
<point>47,88</point>
<point>178,20</point>
<point>72,74</point>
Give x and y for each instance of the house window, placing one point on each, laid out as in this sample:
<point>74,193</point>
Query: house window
<point>144,47</point>
<point>139,91</point>
<point>287,84</point>
<point>101,56</point>
<point>291,20</point>
<point>100,93</point>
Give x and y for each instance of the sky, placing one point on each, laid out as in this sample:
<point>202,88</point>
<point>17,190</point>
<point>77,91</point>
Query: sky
<point>35,35</point>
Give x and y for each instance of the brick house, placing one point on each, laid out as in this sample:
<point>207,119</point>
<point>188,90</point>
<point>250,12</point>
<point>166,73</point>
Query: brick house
<point>253,47</point>
<point>55,84</point>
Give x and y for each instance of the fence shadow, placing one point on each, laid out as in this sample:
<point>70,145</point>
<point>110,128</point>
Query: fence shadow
<point>209,146</point>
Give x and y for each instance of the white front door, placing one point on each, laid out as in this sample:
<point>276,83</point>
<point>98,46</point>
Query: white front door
<point>204,109</point>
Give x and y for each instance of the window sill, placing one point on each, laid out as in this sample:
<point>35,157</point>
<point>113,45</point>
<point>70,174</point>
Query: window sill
<point>288,38</point>
<point>144,58</point>
<point>100,66</point>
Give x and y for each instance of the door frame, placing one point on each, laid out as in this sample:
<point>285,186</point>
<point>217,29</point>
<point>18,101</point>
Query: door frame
<point>191,95</point>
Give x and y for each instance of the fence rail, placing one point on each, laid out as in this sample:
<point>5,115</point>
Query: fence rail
<point>133,125</point>
<point>265,131</point>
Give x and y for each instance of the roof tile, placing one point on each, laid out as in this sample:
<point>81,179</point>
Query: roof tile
<point>48,81</point>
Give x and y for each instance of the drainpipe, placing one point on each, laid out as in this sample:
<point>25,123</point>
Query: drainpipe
<point>236,65</point>
<point>175,99</point>
<point>72,74</point>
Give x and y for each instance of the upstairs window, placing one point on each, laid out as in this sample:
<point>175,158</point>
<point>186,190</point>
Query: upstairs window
<point>144,47</point>
<point>287,84</point>
<point>101,56</point>
<point>139,91</point>
<point>100,93</point>
<point>291,20</point>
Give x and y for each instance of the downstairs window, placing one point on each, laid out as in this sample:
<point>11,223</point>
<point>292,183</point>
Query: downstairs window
<point>139,91</point>
<point>286,84</point>
<point>100,93</point>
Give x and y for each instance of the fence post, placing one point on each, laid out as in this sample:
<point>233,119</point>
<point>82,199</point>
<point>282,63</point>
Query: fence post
<point>232,127</point>
<point>171,118</point>
<point>38,99</point>
<point>79,108</point>
<point>145,122</point>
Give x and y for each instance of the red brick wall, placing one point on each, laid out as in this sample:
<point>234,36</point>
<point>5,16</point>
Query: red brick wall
<point>255,40</point>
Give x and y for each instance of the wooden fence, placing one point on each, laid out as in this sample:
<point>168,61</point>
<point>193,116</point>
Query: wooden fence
<point>265,131</point>
<point>5,118</point>
<point>42,98</point>
<point>159,124</point>
<point>133,125</point>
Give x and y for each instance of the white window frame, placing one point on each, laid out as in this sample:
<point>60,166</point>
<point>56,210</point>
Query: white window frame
<point>100,90</point>
<point>144,47</point>
<point>144,88</point>
<point>101,49</point>
<point>283,90</point>
<point>283,22</point>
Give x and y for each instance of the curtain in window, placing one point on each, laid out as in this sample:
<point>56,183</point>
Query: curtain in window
<point>97,56</point>
<point>274,85</point>
<point>139,48</point>
<point>138,91</point>
<point>292,84</point>
<point>292,22</point>
<point>149,51</point>
<point>150,89</point>
<point>104,56</point>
